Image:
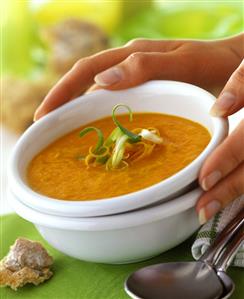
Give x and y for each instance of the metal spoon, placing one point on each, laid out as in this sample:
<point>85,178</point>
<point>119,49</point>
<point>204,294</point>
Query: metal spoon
<point>225,260</point>
<point>191,279</point>
<point>186,280</point>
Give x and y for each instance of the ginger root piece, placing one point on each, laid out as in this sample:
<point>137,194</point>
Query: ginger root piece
<point>70,40</point>
<point>26,262</point>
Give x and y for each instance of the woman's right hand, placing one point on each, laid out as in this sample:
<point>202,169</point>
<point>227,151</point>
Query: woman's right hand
<point>207,64</point>
<point>222,174</point>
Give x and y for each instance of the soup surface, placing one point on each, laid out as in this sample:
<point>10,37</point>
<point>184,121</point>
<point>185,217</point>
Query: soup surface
<point>57,172</point>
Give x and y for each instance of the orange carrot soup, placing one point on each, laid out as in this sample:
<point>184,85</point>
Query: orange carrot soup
<point>93,163</point>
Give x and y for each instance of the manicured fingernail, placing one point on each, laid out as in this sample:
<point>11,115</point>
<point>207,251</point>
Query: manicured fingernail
<point>209,181</point>
<point>208,211</point>
<point>37,114</point>
<point>109,76</point>
<point>202,217</point>
<point>223,104</point>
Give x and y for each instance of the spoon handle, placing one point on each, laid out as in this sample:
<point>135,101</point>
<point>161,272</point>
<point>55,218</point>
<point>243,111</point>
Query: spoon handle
<point>230,251</point>
<point>212,253</point>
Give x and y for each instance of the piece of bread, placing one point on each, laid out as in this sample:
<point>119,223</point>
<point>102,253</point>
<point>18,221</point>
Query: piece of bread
<point>26,262</point>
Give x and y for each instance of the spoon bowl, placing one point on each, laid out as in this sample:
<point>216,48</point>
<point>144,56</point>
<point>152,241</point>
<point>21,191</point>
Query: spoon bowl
<point>203,279</point>
<point>171,280</point>
<point>229,286</point>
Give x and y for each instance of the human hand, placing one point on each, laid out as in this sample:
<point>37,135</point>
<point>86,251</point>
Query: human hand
<point>222,175</point>
<point>206,64</point>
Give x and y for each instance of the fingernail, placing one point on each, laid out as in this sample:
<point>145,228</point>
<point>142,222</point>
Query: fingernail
<point>223,104</point>
<point>202,217</point>
<point>37,114</point>
<point>109,77</point>
<point>209,181</point>
<point>208,211</point>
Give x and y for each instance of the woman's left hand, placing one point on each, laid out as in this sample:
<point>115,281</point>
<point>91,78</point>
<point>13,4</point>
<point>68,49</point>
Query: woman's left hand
<point>222,175</point>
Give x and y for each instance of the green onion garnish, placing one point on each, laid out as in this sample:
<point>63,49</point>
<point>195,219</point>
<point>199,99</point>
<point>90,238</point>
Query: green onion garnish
<point>133,137</point>
<point>99,134</point>
<point>116,133</point>
<point>120,148</point>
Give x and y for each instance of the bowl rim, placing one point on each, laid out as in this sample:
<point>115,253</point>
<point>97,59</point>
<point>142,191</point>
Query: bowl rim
<point>139,217</point>
<point>116,204</point>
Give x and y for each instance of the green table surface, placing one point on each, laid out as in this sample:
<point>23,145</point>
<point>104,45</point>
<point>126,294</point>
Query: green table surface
<point>75,279</point>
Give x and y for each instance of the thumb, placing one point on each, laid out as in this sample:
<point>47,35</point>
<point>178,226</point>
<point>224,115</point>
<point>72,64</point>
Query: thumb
<point>231,98</point>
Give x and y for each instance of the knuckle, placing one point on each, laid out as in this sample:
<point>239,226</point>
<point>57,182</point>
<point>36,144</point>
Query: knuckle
<point>137,60</point>
<point>242,134</point>
<point>235,187</point>
<point>234,156</point>
<point>239,74</point>
<point>135,42</point>
<point>81,62</point>
<point>239,134</point>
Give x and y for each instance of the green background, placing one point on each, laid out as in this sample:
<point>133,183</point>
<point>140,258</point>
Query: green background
<point>121,20</point>
<point>82,280</point>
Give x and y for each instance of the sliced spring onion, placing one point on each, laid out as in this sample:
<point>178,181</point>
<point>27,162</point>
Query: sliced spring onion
<point>102,152</point>
<point>136,131</point>
<point>102,160</point>
<point>108,165</point>
<point>99,134</point>
<point>150,136</point>
<point>132,136</point>
<point>154,130</point>
<point>119,150</point>
<point>116,133</point>
<point>123,165</point>
<point>89,160</point>
<point>122,146</point>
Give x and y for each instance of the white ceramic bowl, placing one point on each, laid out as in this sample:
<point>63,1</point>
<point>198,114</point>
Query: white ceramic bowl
<point>122,238</point>
<point>168,97</point>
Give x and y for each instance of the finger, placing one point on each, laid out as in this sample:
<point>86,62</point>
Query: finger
<point>223,193</point>
<point>79,79</point>
<point>231,98</point>
<point>140,67</point>
<point>81,76</point>
<point>226,157</point>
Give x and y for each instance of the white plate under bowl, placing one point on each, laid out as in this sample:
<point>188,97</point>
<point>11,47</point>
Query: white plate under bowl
<point>168,97</point>
<point>122,238</point>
